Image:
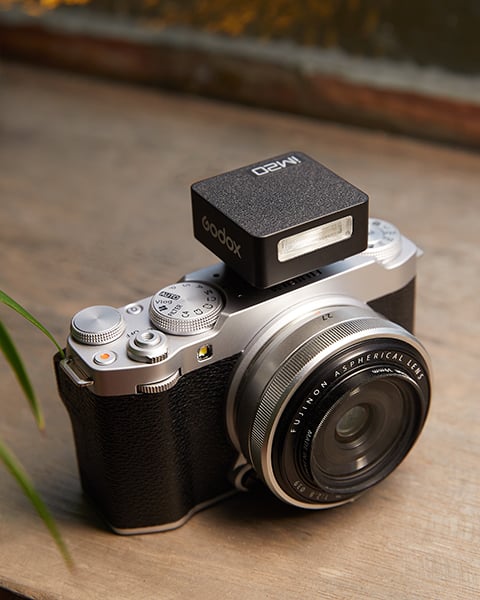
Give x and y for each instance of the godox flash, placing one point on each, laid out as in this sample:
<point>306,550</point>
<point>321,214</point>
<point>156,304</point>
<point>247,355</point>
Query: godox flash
<point>280,218</point>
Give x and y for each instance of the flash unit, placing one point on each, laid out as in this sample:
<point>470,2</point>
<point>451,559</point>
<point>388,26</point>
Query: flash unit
<point>279,218</point>
<point>314,239</point>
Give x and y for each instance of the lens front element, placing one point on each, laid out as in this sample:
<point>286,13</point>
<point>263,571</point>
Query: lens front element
<point>352,423</point>
<point>364,435</point>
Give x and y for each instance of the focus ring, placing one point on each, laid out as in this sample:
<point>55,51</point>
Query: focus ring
<point>286,376</point>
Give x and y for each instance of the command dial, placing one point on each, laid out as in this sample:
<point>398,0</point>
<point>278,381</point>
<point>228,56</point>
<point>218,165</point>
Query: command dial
<point>186,308</point>
<point>97,325</point>
<point>384,240</point>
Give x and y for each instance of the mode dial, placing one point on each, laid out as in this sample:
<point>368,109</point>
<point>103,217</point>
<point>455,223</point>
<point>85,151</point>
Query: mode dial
<point>186,308</point>
<point>97,325</point>
<point>384,240</point>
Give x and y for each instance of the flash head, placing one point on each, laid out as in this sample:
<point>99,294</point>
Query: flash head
<point>279,218</point>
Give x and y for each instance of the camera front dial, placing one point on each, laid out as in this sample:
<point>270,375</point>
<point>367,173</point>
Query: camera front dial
<point>328,405</point>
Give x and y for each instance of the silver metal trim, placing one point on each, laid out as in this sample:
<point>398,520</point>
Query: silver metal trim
<point>246,310</point>
<point>297,366</point>
<point>278,329</point>
<point>174,524</point>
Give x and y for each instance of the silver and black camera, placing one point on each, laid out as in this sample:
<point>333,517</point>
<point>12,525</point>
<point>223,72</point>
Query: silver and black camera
<point>292,362</point>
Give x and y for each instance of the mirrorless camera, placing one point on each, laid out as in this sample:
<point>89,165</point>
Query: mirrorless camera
<point>292,362</point>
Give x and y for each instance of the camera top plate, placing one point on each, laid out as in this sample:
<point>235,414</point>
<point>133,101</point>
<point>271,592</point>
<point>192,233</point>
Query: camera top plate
<point>280,218</point>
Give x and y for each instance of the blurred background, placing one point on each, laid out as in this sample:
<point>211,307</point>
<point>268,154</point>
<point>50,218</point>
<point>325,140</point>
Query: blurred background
<point>412,68</point>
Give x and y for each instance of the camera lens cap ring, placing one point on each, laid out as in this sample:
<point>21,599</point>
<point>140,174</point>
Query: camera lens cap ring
<point>97,325</point>
<point>186,308</point>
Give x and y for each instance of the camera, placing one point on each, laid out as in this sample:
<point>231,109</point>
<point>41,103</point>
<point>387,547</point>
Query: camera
<point>291,363</point>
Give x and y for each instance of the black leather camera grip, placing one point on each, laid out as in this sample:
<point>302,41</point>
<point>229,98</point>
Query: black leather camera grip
<point>147,460</point>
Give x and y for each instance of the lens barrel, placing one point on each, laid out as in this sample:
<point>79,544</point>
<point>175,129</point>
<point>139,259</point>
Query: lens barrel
<point>327,405</point>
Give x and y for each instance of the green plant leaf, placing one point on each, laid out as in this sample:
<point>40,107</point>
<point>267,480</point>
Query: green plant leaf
<point>11,463</point>
<point>18,472</point>
<point>11,354</point>
<point>5,298</point>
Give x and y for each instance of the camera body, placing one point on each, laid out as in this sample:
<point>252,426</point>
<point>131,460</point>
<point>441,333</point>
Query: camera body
<point>180,399</point>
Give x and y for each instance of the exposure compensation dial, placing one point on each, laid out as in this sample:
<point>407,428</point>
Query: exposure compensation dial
<point>186,308</point>
<point>384,240</point>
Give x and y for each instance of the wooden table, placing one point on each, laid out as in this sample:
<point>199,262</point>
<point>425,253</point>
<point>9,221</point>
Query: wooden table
<point>94,208</point>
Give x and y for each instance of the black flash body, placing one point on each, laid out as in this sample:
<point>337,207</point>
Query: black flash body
<point>279,218</point>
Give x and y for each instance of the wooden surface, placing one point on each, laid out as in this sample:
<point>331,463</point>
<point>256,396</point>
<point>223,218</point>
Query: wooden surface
<point>94,209</point>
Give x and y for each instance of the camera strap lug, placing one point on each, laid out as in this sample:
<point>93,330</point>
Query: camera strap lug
<point>66,365</point>
<point>242,476</point>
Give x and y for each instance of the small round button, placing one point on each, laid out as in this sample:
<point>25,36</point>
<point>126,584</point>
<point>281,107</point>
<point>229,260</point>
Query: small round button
<point>149,338</point>
<point>186,308</point>
<point>134,309</point>
<point>104,358</point>
<point>97,325</point>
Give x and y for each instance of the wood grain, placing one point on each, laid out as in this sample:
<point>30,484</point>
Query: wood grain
<point>94,208</point>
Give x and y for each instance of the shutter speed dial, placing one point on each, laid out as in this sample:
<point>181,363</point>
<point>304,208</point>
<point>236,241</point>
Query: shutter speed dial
<point>186,308</point>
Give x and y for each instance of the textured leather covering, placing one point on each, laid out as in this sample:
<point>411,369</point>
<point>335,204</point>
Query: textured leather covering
<point>148,459</point>
<point>398,306</point>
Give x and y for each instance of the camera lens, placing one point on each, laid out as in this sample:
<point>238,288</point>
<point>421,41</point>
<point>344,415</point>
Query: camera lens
<point>352,423</point>
<point>363,434</point>
<point>327,404</point>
